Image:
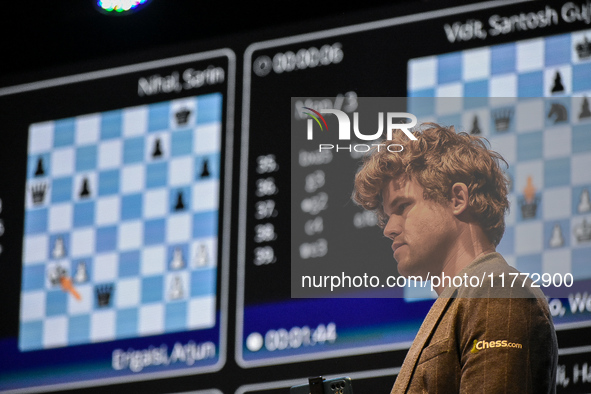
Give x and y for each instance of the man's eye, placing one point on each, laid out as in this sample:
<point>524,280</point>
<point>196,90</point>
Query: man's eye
<point>402,207</point>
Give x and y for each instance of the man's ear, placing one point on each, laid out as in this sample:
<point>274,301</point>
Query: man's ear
<point>459,198</point>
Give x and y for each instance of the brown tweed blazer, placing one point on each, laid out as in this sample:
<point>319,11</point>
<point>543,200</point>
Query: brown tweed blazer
<point>470,343</point>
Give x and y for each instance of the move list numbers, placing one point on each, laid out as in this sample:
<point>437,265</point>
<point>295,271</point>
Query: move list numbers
<point>265,210</point>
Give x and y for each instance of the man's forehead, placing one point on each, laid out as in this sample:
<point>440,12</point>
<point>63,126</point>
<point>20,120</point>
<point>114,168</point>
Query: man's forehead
<point>396,187</point>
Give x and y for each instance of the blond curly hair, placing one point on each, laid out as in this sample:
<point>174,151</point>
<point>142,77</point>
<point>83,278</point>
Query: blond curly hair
<point>439,158</point>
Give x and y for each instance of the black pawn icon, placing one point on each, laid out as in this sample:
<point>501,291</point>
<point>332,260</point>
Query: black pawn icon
<point>157,149</point>
<point>180,205</point>
<point>205,171</point>
<point>585,110</point>
<point>558,86</point>
<point>475,126</point>
<point>39,171</point>
<point>85,190</point>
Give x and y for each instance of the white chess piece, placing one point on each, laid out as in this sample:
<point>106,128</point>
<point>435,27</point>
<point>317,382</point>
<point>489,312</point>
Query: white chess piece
<point>177,259</point>
<point>81,273</point>
<point>585,202</point>
<point>202,257</point>
<point>59,249</point>
<point>557,240</point>
<point>176,288</point>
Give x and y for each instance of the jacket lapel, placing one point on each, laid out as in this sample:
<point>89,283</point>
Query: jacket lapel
<point>409,364</point>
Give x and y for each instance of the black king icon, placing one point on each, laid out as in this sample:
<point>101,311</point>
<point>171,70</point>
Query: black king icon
<point>584,49</point>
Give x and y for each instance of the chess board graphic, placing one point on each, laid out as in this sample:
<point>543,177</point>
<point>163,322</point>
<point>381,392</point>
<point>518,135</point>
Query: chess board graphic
<point>121,224</point>
<point>531,100</point>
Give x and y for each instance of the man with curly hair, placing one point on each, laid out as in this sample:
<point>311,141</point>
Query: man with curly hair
<point>442,201</point>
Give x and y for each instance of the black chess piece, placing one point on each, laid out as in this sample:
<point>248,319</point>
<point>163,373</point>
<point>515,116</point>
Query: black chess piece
<point>85,190</point>
<point>558,86</point>
<point>558,113</point>
<point>103,295</point>
<point>157,148</point>
<point>39,171</point>
<point>180,205</point>
<point>475,126</point>
<point>205,171</point>
<point>585,110</point>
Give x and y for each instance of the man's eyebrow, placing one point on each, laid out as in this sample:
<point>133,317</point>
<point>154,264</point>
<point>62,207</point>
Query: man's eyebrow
<point>396,201</point>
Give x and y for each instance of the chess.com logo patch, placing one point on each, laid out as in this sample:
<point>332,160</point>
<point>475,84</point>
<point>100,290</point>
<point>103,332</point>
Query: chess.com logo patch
<point>500,343</point>
<point>393,120</point>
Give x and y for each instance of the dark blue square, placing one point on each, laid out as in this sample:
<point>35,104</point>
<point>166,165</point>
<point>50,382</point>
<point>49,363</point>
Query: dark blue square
<point>108,182</point>
<point>131,206</point>
<point>152,289</point>
<point>502,59</point>
<point>106,239</point>
<point>111,124</point>
<point>129,263</point>
<point>63,134</point>
<point>84,214</point>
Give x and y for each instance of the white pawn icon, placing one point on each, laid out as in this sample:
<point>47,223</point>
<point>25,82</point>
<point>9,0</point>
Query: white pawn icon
<point>557,240</point>
<point>177,259</point>
<point>81,274</point>
<point>59,249</point>
<point>585,202</point>
<point>202,257</point>
<point>176,288</point>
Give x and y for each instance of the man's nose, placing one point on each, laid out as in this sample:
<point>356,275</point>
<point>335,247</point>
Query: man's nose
<point>393,227</point>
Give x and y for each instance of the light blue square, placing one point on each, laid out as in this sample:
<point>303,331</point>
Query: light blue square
<point>52,242</point>
<point>502,59</point>
<point>181,143</point>
<point>530,84</point>
<point>56,303</point>
<point>131,206</point>
<point>78,329</point>
<point>106,239</point>
<point>581,263</point>
<point>64,131</point>
<point>180,199</point>
<point>129,263</point>
<point>111,124</point>
<point>209,108</point>
<point>203,282</point>
<point>30,335</point>
<point>61,189</point>
<point>86,157</point>
<point>36,221</point>
<point>33,277</point>
<point>127,323</point>
<point>152,289</point>
<point>557,172</point>
<point>581,138</point>
<point>577,196</point>
<point>557,50</point>
<point>207,167</point>
<point>154,231</point>
<point>175,316</point>
<point>133,150</point>
<point>108,182</point>
<point>158,116</point>
<point>530,146</point>
<point>205,224</point>
<point>156,174</point>
<point>84,214</point>
<point>581,77</point>
<point>449,68</point>
<point>564,226</point>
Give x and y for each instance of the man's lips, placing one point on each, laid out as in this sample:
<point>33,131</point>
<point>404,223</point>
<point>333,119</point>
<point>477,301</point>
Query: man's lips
<point>396,245</point>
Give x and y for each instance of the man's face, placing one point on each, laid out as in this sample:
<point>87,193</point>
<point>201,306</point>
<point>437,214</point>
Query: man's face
<point>422,231</point>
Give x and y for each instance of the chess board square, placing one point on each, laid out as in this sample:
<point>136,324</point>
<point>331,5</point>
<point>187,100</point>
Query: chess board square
<point>156,174</point>
<point>475,89</point>
<point>581,77</point>
<point>556,234</point>
<point>87,129</point>
<point>453,89</point>
<point>126,322</point>
<point>205,195</point>
<point>201,312</point>
<point>133,178</point>
<point>32,305</point>
<point>157,147</point>
<point>105,268</point>
<point>82,242</point>
<point>158,117</point>
<point>529,146</point>
<point>56,302</point>
<point>63,132</point>
<point>131,235</point>
<point>128,292</point>
<point>151,319</point>
<point>530,84</point>
<point>503,59</point>
<point>108,182</point>
<point>209,108</point>
<point>179,171</point>
<point>60,218</point>
<point>203,282</point>
<point>152,289</point>
<point>506,146</point>
<point>55,331</point>
<point>533,169</point>
<point>85,186</point>
<point>111,125</point>
<point>129,264</point>
<point>61,190</point>
<point>107,210</point>
<point>40,137</point>
<point>30,335</point>
<point>581,202</point>
<point>110,154</point>
<point>155,203</point>
<point>154,232</point>
<point>78,329</point>
<point>581,269</point>
<point>36,221</point>
<point>580,164</point>
<point>153,260</point>
<point>181,143</point>
<point>205,224</point>
<point>449,68</point>
<point>507,245</point>
<point>135,121</point>
<point>422,73</point>
<point>558,50</point>
<point>175,316</point>
<point>207,139</point>
<point>178,228</point>
<point>578,38</point>
<point>183,113</point>
<point>84,213</point>
<point>476,64</point>
<point>133,150</point>
<point>177,286</point>
<point>131,206</point>
<point>529,116</point>
<point>530,263</point>
<point>35,249</point>
<point>102,325</point>
<point>556,203</point>
<point>530,55</point>
<point>557,261</point>
<point>555,170</point>
<point>528,237</point>
<point>62,162</point>
<point>84,305</point>
<point>503,85</point>
<point>33,277</point>
<point>180,199</point>
<point>558,77</point>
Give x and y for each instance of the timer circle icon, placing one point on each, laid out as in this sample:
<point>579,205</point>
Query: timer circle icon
<point>262,66</point>
<point>254,342</point>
